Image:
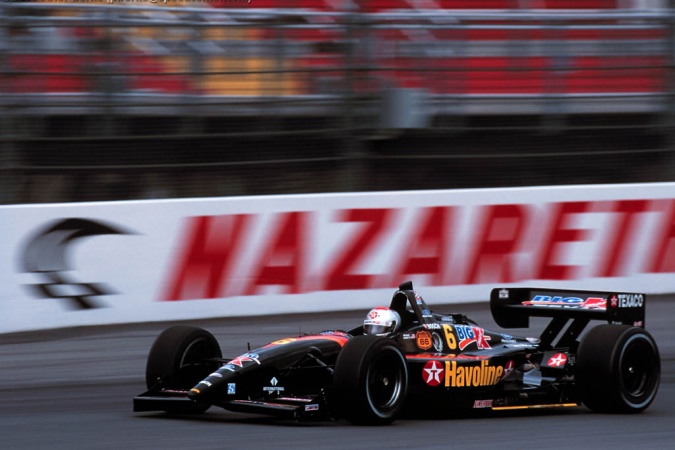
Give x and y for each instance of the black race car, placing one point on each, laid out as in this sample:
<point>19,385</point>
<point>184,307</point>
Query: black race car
<point>434,361</point>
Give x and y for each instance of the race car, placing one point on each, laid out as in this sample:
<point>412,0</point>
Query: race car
<point>407,357</point>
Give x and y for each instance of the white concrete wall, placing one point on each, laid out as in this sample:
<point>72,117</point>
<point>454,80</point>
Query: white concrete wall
<point>198,258</point>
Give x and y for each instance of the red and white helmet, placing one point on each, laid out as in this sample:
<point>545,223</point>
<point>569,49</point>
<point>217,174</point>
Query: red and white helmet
<point>381,321</point>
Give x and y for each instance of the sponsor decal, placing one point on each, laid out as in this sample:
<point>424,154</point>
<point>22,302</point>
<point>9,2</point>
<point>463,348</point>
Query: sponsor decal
<point>409,336</point>
<point>432,326</point>
<point>274,388</point>
<point>438,342</point>
<point>595,303</point>
<point>246,357</point>
<point>482,404</point>
<point>629,300</point>
<point>216,375</point>
<point>433,373</point>
<point>418,299</point>
<point>468,335</point>
<point>424,340</point>
<point>231,388</point>
<point>450,337</point>
<point>557,360</point>
<point>508,368</point>
<point>475,375</point>
<point>206,383</point>
<point>504,293</point>
<point>312,407</point>
<point>561,302</point>
<point>46,256</point>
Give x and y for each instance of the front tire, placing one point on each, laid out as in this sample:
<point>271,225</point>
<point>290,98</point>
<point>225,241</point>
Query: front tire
<point>370,381</point>
<point>181,357</point>
<point>618,369</point>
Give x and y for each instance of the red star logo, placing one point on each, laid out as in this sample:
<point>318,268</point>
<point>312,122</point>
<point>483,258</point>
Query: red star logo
<point>240,360</point>
<point>433,373</point>
<point>558,360</point>
<point>508,368</point>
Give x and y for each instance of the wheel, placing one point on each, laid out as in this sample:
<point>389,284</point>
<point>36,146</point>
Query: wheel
<point>179,359</point>
<point>370,381</point>
<point>618,369</point>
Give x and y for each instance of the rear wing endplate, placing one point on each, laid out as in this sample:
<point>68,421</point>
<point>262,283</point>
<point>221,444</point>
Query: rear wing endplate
<point>512,307</point>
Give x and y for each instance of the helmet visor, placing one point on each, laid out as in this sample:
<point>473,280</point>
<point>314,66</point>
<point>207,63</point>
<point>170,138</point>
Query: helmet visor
<point>377,328</point>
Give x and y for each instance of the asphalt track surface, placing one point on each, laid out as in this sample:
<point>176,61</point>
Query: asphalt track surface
<point>72,389</point>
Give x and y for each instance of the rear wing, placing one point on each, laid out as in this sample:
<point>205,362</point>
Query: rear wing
<point>513,307</point>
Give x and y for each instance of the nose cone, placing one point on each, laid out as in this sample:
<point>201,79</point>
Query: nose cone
<point>200,391</point>
<point>194,393</point>
<point>218,380</point>
<point>207,386</point>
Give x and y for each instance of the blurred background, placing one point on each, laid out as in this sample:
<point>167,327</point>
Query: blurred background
<point>116,100</point>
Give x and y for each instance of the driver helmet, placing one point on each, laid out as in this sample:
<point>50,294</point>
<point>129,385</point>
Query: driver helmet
<point>381,321</point>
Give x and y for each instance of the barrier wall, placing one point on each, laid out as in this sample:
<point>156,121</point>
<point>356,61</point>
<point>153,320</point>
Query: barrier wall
<point>99,263</point>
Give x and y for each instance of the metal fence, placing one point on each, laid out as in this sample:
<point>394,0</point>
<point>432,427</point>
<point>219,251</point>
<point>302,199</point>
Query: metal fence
<point>111,101</point>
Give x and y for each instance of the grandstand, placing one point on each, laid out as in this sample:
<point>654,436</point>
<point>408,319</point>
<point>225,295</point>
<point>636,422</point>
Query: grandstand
<point>376,6</point>
<point>116,100</point>
<point>463,51</point>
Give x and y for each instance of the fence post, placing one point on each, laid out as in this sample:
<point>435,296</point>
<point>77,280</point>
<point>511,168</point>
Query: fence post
<point>668,122</point>
<point>9,177</point>
<point>354,169</point>
<point>8,154</point>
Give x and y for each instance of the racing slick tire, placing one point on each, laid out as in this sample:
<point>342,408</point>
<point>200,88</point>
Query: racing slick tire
<point>179,359</point>
<point>370,381</point>
<point>618,369</point>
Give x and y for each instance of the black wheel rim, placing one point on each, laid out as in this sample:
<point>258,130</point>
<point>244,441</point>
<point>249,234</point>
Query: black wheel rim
<point>385,382</point>
<point>638,369</point>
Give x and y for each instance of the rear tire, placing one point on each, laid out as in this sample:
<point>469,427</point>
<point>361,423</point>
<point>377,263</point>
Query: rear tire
<point>179,359</point>
<point>618,369</point>
<point>370,381</point>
